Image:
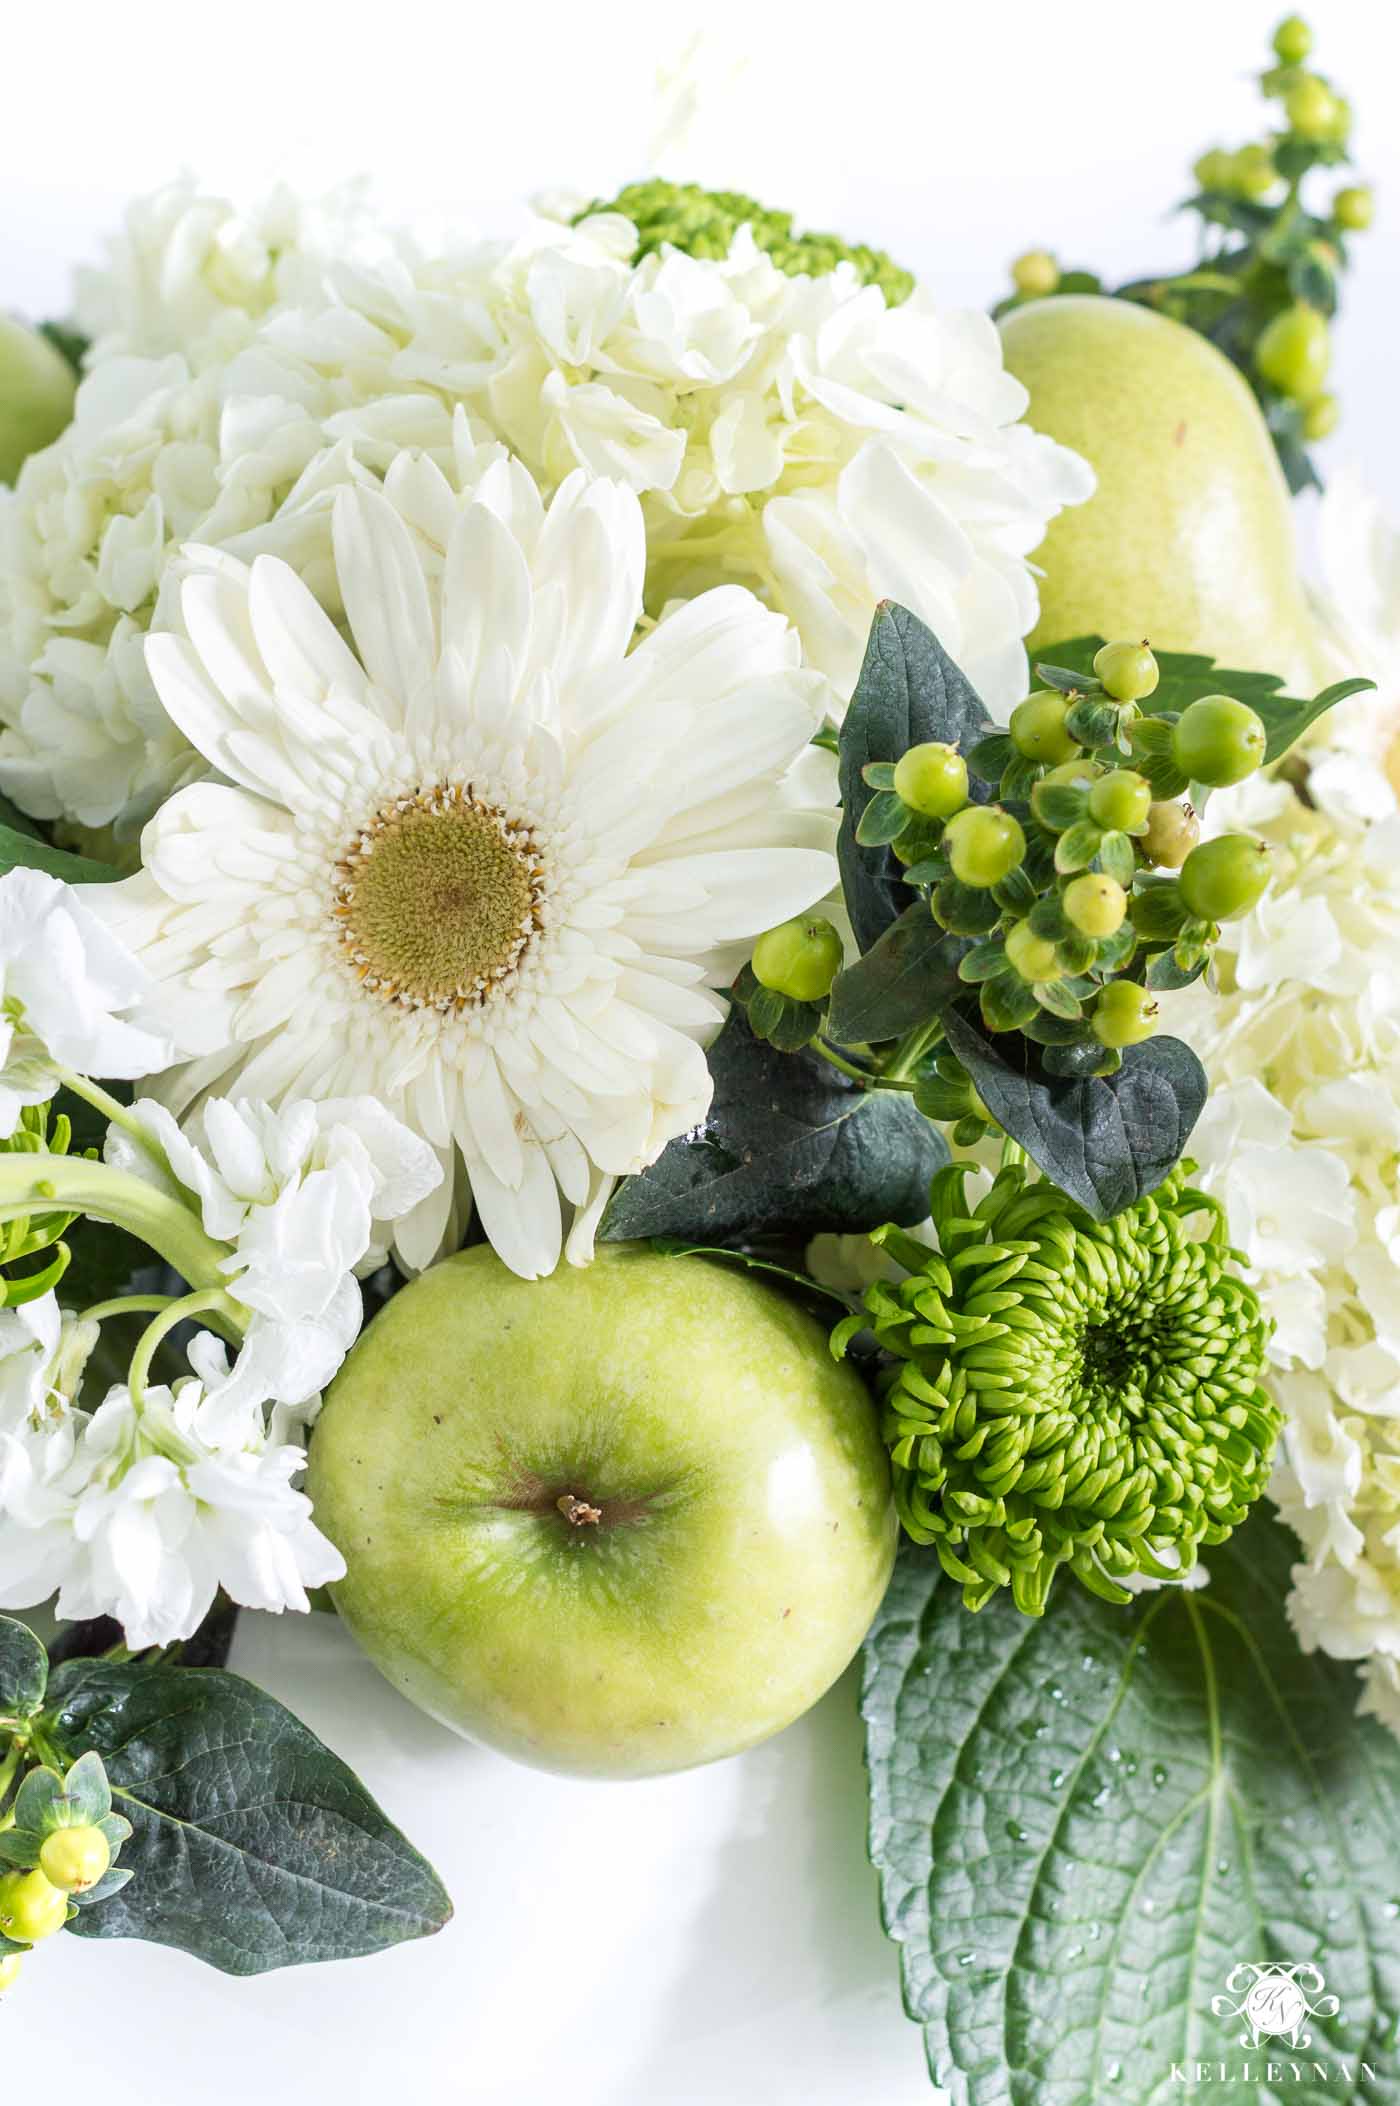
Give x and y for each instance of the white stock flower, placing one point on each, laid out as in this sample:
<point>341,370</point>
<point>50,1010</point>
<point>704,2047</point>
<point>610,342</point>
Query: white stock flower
<point>66,983</point>
<point>143,1511</point>
<point>487,866</point>
<point>1357,599</point>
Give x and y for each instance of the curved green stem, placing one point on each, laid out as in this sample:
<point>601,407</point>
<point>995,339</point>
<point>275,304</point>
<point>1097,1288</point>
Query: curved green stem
<point>909,1051</point>
<point>838,1060</point>
<point>215,1302</point>
<point>32,1184</point>
<point>125,1305</point>
<point>117,1114</point>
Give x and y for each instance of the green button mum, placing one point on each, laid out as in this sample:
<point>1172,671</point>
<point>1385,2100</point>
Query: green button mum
<point>704,223</point>
<point>1067,1391</point>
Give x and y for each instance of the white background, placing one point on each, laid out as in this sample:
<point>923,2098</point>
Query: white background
<point>709,1940</point>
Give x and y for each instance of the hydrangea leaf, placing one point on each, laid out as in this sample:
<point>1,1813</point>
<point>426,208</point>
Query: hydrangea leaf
<point>909,691</point>
<point>1187,675</point>
<point>24,1670</point>
<point>1104,1139</point>
<point>789,1146</point>
<point>1083,1824</point>
<point>253,1846</point>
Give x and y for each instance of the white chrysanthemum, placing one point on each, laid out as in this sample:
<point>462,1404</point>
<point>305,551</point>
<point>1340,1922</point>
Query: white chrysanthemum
<point>487,866</point>
<point>1301,1141</point>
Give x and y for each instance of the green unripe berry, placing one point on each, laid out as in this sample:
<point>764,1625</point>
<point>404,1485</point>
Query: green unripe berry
<point>1124,1014</point>
<point>1032,956</point>
<point>31,1907</point>
<point>1224,878</point>
<point>984,844</point>
<point>1294,352</point>
<point>1095,904</point>
<point>1311,108</point>
<point>1252,172</point>
<point>1172,832</point>
<point>1218,741</point>
<point>799,959</point>
<point>1341,120</point>
<point>1127,670</point>
<point>1036,274</point>
<point>1292,40</point>
<point>9,1970</point>
<point>1038,728</point>
<point>1321,417</point>
<point>1120,801</point>
<point>931,779</point>
<point>1352,208</point>
<point>1215,170</point>
<point>1080,771</point>
<point>75,1858</point>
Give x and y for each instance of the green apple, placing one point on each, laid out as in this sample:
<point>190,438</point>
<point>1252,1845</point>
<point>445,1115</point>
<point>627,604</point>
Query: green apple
<point>37,386</point>
<point>620,1521</point>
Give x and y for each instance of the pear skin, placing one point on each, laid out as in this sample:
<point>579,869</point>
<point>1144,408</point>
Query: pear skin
<point>1189,540</point>
<point>37,386</point>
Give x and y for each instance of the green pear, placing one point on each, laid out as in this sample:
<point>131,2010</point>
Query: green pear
<point>37,386</point>
<point>619,1521</point>
<point>1188,541</point>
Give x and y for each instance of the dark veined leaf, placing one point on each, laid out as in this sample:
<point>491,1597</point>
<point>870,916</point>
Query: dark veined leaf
<point>903,980</point>
<point>1092,1827</point>
<point>24,1670</point>
<point>789,1146</point>
<point>1105,1140</point>
<point>909,691</point>
<point>253,1846</point>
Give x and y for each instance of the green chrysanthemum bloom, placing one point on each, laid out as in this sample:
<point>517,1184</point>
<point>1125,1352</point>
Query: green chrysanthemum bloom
<point>704,223</point>
<point>1068,1391</point>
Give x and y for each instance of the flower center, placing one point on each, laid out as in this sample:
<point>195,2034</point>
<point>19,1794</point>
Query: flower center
<point>437,899</point>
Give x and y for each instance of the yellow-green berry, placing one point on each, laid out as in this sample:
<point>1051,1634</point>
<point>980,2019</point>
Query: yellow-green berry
<point>1215,170</point>
<point>984,844</point>
<point>1222,879</point>
<point>1292,40</point>
<point>31,1907</point>
<point>1311,108</point>
<point>932,779</point>
<point>1032,956</point>
<point>1352,208</point>
<point>75,1858</point>
<point>1128,670</point>
<point>1219,741</point>
<point>1095,904</point>
<point>1038,728</point>
<point>1253,173</point>
<point>1294,351</point>
<point>10,1963</point>
<point>1120,801</point>
<point>1035,274</point>
<point>799,959</point>
<point>1124,1014</point>
<point>1321,417</point>
<point>1172,832</point>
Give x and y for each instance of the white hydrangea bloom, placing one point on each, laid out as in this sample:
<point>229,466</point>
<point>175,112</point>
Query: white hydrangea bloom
<point>71,994</point>
<point>1301,1142</point>
<point>1357,598</point>
<point>792,434</point>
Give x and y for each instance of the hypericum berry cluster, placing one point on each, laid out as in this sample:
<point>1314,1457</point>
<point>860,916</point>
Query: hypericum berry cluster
<point>1085,889</point>
<point>60,1851</point>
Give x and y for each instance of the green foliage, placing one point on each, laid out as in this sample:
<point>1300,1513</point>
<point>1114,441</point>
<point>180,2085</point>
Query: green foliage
<point>24,1670</point>
<point>23,849</point>
<point>1083,1824</point>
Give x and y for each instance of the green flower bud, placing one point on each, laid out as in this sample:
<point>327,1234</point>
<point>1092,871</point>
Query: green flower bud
<point>1070,1392</point>
<point>37,386</point>
<point>704,223</point>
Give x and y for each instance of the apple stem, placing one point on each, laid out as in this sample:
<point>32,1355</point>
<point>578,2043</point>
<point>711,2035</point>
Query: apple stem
<point>577,1512</point>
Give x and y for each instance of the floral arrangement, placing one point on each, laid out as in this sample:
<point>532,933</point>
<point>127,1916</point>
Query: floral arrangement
<point>583,1079</point>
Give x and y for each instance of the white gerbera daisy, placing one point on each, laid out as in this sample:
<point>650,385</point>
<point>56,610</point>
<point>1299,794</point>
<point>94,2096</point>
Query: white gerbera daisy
<point>487,865</point>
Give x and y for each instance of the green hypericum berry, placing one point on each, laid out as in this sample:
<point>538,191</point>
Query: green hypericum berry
<point>1321,417</point>
<point>10,1964</point>
<point>1095,904</point>
<point>1215,170</point>
<point>1352,207</point>
<point>1292,40</point>
<point>984,844</point>
<point>799,959</point>
<point>1253,173</point>
<point>1124,1014</point>
<point>1030,955</point>
<point>1341,120</point>
<point>1081,771</point>
<point>1218,741</point>
<point>1294,351</point>
<point>1172,832</point>
<point>75,1858</point>
<point>932,779</point>
<point>1120,801</point>
<point>1035,274</point>
<point>1127,670</point>
<point>1311,108</point>
<point>1224,878</point>
<point>31,1907</point>
<point>1132,1354</point>
<point>1038,728</point>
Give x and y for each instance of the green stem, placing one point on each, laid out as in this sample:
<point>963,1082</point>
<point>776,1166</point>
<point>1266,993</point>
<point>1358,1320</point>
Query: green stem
<point>214,1302</point>
<point>125,1305</point>
<point>909,1051</point>
<point>7,1773</point>
<point>838,1060</point>
<point>117,1114</point>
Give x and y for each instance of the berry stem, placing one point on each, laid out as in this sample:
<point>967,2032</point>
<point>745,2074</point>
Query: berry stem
<point>909,1051</point>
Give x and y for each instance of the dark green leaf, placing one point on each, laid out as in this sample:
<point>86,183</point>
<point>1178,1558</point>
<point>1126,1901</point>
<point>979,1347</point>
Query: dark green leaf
<point>788,1146</point>
<point>1082,1824</point>
<point>1008,1003</point>
<point>24,1670</point>
<point>1068,679</point>
<point>253,1846</point>
<point>909,691</point>
<point>1287,720</point>
<point>1105,1142</point>
<point>990,756</point>
<point>25,851</point>
<point>965,910</point>
<point>1165,976</point>
<point>902,980</point>
<point>883,820</point>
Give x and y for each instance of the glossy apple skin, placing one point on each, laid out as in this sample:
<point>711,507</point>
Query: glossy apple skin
<point>746,1534</point>
<point>37,387</point>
